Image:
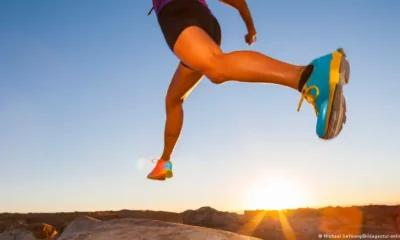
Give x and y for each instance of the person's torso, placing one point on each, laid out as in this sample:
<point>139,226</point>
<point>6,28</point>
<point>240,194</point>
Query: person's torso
<point>159,4</point>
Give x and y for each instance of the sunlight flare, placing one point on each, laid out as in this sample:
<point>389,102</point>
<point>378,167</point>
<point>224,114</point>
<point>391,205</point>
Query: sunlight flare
<point>275,194</point>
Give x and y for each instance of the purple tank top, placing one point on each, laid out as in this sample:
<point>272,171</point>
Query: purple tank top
<point>158,4</point>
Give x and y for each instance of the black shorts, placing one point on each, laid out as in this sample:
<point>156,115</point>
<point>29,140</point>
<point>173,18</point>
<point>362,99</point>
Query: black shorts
<point>178,15</point>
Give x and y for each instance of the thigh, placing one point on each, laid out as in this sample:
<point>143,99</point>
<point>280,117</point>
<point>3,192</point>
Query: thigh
<point>207,25</point>
<point>197,49</point>
<point>182,83</point>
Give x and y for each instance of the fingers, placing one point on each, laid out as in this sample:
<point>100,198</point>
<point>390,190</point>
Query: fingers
<point>250,39</point>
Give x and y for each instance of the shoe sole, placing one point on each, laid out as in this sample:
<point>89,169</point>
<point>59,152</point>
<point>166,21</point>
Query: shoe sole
<point>168,174</point>
<point>338,111</point>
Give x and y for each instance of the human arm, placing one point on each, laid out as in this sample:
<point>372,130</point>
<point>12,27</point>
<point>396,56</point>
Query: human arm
<point>245,13</point>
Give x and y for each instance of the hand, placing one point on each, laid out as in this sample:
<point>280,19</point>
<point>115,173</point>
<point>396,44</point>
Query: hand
<point>251,37</point>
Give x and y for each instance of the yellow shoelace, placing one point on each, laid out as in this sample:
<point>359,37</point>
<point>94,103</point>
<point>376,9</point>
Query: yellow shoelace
<point>306,94</point>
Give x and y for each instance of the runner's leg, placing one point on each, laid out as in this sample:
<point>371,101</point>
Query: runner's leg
<point>183,82</point>
<point>196,48</point>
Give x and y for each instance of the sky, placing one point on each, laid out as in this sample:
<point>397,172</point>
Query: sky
<point>82,88</point>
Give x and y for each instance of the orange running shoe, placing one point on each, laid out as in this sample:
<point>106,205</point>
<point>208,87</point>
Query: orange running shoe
<point>161,171</point>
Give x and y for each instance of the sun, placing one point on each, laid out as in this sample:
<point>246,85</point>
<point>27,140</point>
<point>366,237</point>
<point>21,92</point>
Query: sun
<point>276,194</point>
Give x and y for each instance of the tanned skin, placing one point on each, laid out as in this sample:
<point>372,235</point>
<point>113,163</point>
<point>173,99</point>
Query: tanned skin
<point>196,49</point>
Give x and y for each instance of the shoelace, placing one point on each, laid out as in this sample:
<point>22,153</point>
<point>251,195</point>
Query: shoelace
<point>306,94</point>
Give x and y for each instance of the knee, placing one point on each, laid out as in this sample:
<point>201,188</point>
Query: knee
<point>172,101</point>
<point>215,69</point>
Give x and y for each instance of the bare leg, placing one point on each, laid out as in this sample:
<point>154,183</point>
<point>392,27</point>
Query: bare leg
<point>196,49</point>
<point>183,81</point>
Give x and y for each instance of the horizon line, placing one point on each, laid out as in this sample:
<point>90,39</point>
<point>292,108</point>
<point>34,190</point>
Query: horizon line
<point>230,211</point>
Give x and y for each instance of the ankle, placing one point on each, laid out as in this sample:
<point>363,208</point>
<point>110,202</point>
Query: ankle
<point>304,76</point>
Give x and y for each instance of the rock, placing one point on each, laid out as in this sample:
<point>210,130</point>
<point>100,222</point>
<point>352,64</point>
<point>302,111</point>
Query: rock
<point>209,217</point>
<point>29,232</point>
<point>141,229</point>
<point>82,223</point>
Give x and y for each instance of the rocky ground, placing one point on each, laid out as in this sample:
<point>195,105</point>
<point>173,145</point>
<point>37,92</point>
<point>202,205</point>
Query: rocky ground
<point>307,223</point>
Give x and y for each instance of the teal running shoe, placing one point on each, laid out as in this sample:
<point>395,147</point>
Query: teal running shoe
<point>324,91</point>
<point>161,171</point>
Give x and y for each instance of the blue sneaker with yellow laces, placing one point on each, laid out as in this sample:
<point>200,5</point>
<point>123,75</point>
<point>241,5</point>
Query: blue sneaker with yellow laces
<point>324,91</point>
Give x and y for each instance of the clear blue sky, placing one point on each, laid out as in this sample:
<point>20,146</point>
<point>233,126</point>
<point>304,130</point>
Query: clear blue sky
<point>82,86</point>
